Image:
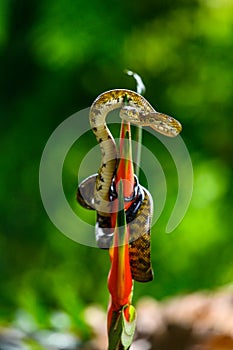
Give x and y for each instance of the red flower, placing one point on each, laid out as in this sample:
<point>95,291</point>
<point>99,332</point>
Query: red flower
<point>120,282</point>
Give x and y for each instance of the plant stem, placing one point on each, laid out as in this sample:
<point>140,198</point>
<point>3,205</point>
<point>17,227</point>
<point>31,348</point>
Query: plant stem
<point>138,129</point>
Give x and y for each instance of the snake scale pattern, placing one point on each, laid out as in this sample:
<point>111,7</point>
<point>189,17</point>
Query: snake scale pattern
<point>95,191</point>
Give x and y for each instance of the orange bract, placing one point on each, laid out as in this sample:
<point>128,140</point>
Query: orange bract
<point>120,282</point>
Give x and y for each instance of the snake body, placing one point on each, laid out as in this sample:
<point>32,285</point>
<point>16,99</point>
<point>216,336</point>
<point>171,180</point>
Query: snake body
<point>95,191</point>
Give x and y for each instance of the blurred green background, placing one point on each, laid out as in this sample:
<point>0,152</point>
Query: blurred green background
<point>56,57</point>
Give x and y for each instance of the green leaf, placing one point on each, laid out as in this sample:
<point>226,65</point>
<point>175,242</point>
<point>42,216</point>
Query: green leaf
<point>128,327</point>
<point>122,331</point>
<point>114,335</point>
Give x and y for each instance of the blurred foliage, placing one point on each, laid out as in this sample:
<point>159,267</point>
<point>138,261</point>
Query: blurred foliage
<point>56,57</point>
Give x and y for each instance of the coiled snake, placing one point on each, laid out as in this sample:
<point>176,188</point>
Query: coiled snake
<point>97,191</point>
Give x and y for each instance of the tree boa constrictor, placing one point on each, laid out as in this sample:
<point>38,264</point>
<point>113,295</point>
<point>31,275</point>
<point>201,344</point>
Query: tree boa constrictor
<point>97,191</point>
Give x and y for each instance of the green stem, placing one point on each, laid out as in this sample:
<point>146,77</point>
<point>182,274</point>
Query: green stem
<point>138,149</point>
<point>138,129</point>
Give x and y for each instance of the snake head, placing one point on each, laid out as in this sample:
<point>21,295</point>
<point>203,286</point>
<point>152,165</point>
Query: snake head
<point>162,123</point>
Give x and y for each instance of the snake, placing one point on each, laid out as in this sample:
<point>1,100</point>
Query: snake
<point>98,191</point>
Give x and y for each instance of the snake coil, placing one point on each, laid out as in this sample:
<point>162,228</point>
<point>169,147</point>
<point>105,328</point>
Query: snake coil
<point>97,191</point>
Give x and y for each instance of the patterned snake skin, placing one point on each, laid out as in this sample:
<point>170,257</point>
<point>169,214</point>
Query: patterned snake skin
<point>96,191</point>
